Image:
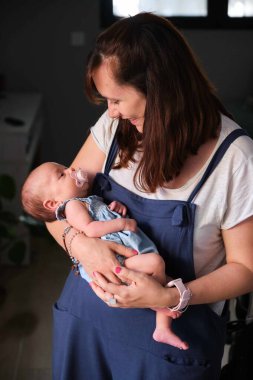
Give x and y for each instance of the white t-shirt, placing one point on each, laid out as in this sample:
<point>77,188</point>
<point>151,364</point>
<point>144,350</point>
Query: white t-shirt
<point>225,200</point>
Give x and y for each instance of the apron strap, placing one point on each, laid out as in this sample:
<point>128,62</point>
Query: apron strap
<point>212,165</point>
<point>217,158</point>
<point>111,155</point>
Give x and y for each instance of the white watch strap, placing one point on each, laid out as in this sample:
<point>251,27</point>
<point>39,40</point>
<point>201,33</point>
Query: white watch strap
<point>185,295</point>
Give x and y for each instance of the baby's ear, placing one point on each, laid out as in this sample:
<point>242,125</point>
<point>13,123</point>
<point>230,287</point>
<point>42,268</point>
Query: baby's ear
<point>50,205</point>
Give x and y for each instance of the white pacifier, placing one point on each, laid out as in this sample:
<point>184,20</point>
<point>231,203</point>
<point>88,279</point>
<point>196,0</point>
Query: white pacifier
<point>80,177</point>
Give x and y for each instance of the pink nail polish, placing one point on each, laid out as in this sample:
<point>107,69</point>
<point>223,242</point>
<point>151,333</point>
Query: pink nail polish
<point>117,270</point>
<point>135,252</point>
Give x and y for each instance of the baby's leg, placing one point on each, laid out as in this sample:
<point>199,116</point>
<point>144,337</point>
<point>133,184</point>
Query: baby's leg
<point>153,264</point>
<point>149,263</point>
<point>164,334</point>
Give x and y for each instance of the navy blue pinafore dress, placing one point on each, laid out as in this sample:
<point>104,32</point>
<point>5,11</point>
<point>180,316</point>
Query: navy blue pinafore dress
<point>95,342</point>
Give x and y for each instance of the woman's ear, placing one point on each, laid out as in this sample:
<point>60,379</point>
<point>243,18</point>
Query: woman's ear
<point>50,205</point>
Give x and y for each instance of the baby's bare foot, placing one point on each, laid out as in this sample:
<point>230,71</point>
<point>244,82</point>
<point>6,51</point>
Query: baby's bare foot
<point>168,337</point>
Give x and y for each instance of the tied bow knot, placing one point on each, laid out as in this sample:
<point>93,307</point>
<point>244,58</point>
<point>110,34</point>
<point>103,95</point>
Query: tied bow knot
<point>180,216</point>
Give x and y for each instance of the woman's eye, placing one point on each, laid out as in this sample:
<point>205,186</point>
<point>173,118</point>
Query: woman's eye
<point>114,102</point>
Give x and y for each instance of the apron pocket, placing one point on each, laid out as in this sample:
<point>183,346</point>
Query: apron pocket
<point>188,368</point>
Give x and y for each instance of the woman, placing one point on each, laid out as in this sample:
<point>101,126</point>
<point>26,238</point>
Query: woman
<point>168,149</point>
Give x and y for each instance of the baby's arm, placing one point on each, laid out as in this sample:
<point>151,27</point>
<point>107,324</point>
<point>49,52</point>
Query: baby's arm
<point>78,216</point>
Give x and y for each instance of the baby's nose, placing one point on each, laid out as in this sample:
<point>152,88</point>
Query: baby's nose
<point>70,170</point>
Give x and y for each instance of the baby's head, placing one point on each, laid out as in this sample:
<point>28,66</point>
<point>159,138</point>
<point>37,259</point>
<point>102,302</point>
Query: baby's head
<point>48,186</point>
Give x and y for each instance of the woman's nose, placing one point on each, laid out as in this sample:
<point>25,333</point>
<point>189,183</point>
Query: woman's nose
<point>113,110</point>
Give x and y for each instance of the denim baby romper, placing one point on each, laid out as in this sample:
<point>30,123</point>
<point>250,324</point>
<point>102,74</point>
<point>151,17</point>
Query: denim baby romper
<point>95,342</point>
<point>99,211</point>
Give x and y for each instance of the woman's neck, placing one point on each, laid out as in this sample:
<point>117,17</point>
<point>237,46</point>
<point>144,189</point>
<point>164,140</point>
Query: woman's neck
<point>194,164</point>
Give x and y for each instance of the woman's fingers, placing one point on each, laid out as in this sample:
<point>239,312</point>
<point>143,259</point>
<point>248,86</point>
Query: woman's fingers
<point>105,289</point>
<point>127,276</point>
<point>122,250</point>
<point>133,290</point>
<point>103,295</point>
<point>120,291</point>
<point>137,290</point>
<point>106,278</point>
<point>123,274</point>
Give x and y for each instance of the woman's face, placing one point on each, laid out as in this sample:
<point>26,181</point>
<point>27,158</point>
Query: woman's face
<point>123,101</point>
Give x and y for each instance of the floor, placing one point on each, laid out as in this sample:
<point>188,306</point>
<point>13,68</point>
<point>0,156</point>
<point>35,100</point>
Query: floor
<point>25,311</point>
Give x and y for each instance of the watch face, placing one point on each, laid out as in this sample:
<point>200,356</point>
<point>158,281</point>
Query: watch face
<point>185,294</point>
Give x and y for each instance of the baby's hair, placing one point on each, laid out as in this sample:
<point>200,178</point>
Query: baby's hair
<point>32,202</point>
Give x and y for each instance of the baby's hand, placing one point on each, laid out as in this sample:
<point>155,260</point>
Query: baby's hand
<point>118,207</point>
<point>130,225</point>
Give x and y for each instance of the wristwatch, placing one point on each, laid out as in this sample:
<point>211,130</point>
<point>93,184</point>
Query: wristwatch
<point>185,295</point>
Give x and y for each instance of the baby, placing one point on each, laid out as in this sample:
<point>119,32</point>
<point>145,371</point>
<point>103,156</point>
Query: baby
<point>53,191</point>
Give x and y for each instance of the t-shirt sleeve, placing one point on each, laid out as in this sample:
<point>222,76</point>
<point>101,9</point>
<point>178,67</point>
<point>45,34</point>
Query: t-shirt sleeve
<point>239,196</point>
<point>103,131</point>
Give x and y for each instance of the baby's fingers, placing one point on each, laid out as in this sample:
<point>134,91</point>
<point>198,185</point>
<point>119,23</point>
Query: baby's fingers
<point>112,206</point>
<point>123,211</point>
<point>118,207</point>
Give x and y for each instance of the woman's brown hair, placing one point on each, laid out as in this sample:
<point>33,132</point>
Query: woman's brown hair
<point>182,109</point>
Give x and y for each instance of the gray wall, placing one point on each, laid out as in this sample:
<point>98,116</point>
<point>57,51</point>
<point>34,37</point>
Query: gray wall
<point>36,55</point>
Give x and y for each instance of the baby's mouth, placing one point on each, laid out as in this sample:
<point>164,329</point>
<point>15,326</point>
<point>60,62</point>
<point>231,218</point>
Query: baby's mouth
<point>80,177</point>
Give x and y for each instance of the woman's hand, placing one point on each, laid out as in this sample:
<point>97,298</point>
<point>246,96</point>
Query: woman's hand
<point>98,255</point>
<point>142,291</point>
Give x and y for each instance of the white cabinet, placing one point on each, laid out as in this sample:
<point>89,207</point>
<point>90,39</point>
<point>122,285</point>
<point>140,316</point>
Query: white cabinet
<point>21,121</point>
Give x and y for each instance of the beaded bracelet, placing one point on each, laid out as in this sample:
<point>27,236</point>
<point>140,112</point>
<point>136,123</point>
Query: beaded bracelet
<point>73,259</point>
<point>65,232</point>
<point>68,250</point>
<point>71,240</point>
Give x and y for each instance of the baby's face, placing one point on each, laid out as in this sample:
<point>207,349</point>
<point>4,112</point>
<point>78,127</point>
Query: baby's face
<point>63,183</point>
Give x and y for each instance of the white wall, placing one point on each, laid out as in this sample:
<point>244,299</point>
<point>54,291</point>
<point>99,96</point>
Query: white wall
<point>36,55</point>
